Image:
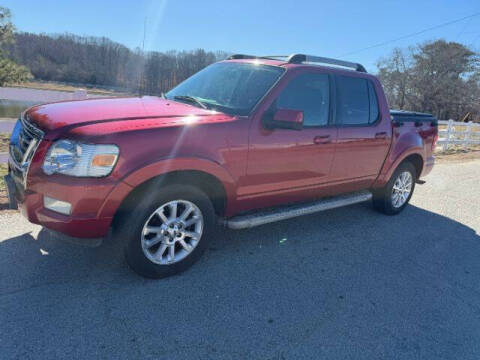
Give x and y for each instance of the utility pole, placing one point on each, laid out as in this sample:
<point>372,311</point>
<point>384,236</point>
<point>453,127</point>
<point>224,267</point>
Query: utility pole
<point>141,85</point>
<point>144,33</point>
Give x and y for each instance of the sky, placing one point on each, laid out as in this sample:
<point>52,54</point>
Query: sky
<point>339,29</point>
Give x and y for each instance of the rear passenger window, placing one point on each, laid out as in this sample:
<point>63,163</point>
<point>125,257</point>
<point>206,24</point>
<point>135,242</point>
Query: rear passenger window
<point>309,93</point>
<point>356,101</point>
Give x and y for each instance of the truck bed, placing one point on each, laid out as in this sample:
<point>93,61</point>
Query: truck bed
<point>412,116</point>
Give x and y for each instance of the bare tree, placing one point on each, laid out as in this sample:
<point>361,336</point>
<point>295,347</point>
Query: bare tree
<point>102,62</point>
<point>395,77</point>
<point>438,77</point>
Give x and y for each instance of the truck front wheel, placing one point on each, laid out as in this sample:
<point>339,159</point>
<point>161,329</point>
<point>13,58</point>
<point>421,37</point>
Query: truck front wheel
<point>167,231</point>
<point>394,197</point>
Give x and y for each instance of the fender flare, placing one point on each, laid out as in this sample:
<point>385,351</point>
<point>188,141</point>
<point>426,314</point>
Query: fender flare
<point>386,173</point>
<point>163,167</point>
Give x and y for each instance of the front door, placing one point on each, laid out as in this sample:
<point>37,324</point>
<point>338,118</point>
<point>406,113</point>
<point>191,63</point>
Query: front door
<point>289,165</point>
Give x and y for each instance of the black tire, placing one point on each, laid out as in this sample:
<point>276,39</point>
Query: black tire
<point>382,198</point>
<point>129,229</point>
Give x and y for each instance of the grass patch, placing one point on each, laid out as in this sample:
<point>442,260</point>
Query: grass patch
<point>3,191</point>
<point>456,149</point>
<point>457,153</point>
<point>4,141</point>
<point>68,88</point>
<point>3,171</point>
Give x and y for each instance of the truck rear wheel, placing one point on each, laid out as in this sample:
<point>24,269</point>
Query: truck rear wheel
<point>168,231</point>
<point>396,194</point>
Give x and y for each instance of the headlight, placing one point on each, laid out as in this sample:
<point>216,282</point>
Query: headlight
<point>76,159</point>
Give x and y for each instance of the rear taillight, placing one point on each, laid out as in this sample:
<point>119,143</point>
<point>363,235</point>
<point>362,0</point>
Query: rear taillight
<point>434,142</point>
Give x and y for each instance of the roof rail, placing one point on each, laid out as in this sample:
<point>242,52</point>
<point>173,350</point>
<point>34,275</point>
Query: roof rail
<point>240,56</point>
<point>302,58</point>
<point>243,56</point>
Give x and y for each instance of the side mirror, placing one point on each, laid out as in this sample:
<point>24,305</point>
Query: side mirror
<point>285,119</point>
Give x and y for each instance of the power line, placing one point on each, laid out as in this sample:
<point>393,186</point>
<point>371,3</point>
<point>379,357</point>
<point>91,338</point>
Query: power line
<point>411,35</point>
<point>464,28</point>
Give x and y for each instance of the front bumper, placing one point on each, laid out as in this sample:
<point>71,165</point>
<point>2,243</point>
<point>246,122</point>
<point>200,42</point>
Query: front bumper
<point>86,200</point>
<point>31,207</point>
<point>75,226</point>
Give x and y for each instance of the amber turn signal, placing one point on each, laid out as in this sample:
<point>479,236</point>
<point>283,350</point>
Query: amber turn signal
<point>104,160</point>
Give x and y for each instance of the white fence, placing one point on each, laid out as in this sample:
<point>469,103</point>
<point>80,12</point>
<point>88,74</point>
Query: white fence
<point>458,133</point>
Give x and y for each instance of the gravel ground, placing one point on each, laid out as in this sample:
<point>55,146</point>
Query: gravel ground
<point>344,284</point>
<point>7,125</point>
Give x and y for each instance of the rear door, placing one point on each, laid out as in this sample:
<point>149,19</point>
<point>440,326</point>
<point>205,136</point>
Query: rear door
<point>363,135</point>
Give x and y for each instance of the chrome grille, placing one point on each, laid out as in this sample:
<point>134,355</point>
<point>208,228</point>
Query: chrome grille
<point>24,139</point>
<point>23,144</point>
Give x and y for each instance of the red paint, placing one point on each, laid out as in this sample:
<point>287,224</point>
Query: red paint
<point>258,167</point>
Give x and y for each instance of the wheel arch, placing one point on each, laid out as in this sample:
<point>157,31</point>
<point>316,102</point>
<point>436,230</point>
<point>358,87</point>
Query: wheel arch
<point>413,155</point>
<point>416,160</point>
<point>207,183</point>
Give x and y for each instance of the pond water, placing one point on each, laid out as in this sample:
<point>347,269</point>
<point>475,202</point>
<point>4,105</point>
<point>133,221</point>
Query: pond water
<point>13,108</point>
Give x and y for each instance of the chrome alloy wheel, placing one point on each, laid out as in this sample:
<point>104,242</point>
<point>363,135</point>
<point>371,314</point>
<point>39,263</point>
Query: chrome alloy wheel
<point>172,232</point>
<point>401,189</point>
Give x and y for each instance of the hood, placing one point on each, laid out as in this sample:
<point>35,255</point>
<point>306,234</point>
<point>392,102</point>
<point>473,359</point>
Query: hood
<point>130,112</point>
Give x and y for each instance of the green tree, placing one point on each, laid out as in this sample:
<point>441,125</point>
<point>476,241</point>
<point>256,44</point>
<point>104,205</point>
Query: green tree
<point>10,72</point>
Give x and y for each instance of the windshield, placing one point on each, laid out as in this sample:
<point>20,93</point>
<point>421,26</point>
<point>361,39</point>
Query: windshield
<point>229,87</point>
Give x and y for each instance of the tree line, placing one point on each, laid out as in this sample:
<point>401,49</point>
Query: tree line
<point>101,62</point>
<point>438,77</point>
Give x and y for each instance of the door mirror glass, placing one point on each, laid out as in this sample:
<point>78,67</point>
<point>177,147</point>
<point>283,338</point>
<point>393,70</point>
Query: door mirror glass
<point>286,119</point>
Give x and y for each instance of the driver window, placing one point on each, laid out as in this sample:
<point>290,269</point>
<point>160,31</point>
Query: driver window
<point>309,93</point>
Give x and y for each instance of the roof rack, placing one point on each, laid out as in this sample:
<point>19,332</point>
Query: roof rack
<point>302,58</point>
<point>243,56</point>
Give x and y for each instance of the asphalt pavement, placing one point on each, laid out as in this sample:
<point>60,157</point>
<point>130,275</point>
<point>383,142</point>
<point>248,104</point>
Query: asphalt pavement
<point>344,284</point>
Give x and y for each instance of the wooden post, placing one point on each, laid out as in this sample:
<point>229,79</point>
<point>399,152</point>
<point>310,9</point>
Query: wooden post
<point>466,139</point>
<point>447,138</point>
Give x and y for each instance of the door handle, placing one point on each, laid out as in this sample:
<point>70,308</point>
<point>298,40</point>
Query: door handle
<point>322,139</point>
<point>381,135</point>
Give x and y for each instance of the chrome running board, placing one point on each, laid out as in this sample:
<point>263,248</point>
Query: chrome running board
<point>286,212</point>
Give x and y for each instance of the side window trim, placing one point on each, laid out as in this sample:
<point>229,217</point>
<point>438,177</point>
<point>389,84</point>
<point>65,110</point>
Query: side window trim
<point>371,86</point>
<point>335,121</point>
<point>333,101</point>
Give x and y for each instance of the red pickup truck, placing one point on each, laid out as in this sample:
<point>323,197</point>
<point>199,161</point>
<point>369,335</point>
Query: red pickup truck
<point>244,142</point>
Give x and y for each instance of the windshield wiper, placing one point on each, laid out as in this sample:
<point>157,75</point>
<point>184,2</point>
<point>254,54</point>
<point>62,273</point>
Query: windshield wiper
<point>190,99</point>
